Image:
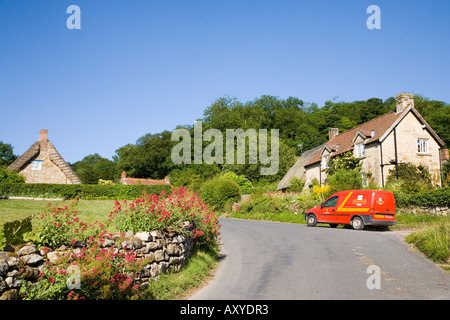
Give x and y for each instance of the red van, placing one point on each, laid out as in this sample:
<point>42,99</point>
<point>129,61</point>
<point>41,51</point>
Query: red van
<point>357,208</point>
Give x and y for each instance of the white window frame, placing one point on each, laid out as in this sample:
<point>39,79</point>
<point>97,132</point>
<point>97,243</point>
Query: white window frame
<point>422,146</point>
<point>325,160</point>
<point>36,164</point>
<point>364,179</point>
<point>360,150</point>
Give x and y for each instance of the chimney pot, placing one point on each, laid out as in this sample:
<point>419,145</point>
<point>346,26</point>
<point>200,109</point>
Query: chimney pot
<point>404,100</point>
<point>332,132</point>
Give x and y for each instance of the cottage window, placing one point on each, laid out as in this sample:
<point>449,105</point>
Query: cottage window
<point>36,165</point>
<point>365,180</point>
<point>325,161</point>
<point>422,145</point>
<point>360,150</point>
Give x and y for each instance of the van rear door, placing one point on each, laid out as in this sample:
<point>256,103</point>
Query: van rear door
<point>384,206</point>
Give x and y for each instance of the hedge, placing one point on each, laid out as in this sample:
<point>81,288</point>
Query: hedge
<point>434,198</point>
<point>83,191</point>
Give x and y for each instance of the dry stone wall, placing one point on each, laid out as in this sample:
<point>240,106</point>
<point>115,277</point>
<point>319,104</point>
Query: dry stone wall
<point>164,250</point>
<point>434,211</point>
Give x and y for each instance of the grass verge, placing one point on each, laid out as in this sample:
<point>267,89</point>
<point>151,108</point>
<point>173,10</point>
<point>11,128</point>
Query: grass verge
<point>178,286</point>
<point>433,240</point>
<point>275,217</point>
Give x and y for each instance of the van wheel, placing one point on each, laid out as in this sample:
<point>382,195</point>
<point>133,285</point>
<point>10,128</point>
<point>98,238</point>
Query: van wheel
<point>312,220</point>
<point>333,225</point>
<point>357,223</point>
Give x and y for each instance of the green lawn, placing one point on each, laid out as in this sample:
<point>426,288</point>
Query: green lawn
<point>88,210</point>
<point>278,217</point>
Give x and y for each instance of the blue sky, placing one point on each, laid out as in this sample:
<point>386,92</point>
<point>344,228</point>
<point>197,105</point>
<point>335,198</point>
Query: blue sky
<point>144,66</point>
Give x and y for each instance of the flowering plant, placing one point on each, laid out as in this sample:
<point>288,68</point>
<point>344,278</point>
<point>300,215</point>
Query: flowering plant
<point>59,225</point>
<point>103,271</point>
<point>153,212</point>
<point>91,273</point>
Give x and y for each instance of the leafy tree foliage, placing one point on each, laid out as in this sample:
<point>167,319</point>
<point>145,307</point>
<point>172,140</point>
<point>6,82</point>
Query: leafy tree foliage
<point>6,158</point>
<point>411,178</point>
<point>7,175</point>
<point>94,167</point>
<point>148,158</point>
<point>301,125</point>
<point>6,154</point>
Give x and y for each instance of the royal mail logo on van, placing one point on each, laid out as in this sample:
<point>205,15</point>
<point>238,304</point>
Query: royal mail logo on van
<point>380,201</point>
<point>359,201</point>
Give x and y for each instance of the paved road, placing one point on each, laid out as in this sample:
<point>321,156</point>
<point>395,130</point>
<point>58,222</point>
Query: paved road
<point>265,260</point>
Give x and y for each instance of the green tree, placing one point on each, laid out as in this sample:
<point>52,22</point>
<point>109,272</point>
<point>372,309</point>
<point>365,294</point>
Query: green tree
<point>6,154</point>
<point>244,184</point>
<point>344,173</point>
<point>150,157</point>
<point>343,179</point>
<point>94,167</point>
<point>7,175</point>
<point>344,161</point>
<point>194,175</point>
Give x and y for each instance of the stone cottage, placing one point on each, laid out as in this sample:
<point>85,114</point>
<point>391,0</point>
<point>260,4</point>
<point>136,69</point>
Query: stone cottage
<point>41,163</point>
<point>382,143</point>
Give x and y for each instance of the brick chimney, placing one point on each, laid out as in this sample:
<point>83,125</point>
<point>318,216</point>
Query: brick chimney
<point>124,175</point>
<point>404,100</point>
<point>332,132</point>
<point>43,138</point>
<point>43,134</point>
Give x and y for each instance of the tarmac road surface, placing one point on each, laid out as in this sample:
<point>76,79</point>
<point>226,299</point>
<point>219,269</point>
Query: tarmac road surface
<point>282,261</point>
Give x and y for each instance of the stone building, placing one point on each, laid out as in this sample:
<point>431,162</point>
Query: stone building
<point>41,163</point>
<point>382,143</point>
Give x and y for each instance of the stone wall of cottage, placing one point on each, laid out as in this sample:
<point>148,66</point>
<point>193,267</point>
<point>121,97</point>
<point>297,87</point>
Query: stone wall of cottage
<point>408,131</point>
<point>49,173</point>
<point>164,250</point>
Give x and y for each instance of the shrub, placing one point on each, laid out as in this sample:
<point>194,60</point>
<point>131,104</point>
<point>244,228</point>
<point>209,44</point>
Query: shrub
<point>296,185</point>
<point>104,273</point>
<point>219,192</point>
<point>84,191</point>
<point>154,212</point>
<point>411,179</point>
<point>344,179</point>
<point>262,205</point>
<point>60,225</point>
<point>244,184</point>
<point>9,176</point>
<point>433,198</point>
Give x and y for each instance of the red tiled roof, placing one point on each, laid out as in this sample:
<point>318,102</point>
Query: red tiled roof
<point>378,126</point>
<point>137,181</point>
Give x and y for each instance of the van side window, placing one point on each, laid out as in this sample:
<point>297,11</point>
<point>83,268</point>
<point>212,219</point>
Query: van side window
<point>332,202</point>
